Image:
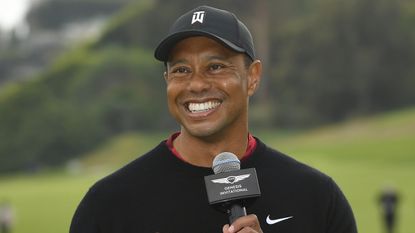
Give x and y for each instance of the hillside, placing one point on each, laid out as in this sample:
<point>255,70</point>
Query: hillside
<point>387,137</point>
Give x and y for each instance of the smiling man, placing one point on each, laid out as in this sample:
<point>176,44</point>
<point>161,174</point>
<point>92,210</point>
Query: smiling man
<point>211,73</point>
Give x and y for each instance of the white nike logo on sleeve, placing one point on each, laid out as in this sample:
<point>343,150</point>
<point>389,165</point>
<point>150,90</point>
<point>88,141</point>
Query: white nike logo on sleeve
<point>271,221</point>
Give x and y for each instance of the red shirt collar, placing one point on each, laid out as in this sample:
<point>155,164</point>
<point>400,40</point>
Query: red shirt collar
<point>249,149</point>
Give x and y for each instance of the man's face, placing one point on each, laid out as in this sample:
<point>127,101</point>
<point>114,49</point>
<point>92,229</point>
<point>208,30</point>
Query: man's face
<point>208,87</point>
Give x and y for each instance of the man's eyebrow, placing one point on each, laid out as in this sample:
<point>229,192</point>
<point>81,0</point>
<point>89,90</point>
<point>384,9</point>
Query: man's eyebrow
<point>216,57</point>
<point>208,58</point>
<point>173,63</point>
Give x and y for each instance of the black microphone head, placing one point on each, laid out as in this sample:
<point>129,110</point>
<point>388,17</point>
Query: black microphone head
<point>225,162</point>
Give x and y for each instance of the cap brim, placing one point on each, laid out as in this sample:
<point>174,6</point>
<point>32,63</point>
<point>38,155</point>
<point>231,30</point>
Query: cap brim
<point>162,51</point>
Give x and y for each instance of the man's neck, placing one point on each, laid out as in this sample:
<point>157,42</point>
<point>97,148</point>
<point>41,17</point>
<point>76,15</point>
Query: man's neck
<point>201,151</point>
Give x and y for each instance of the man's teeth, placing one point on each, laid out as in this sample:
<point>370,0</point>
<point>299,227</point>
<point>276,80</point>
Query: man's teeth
<point>202,107</point>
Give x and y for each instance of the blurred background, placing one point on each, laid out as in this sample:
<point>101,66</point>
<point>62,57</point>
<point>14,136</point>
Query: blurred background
<point>81,95</point>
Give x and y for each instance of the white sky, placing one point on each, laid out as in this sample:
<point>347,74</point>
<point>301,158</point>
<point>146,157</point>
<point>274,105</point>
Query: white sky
<point>12,12</point>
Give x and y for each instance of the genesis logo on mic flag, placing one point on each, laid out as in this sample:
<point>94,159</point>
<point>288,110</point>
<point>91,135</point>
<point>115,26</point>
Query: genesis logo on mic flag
<point>233,185</point>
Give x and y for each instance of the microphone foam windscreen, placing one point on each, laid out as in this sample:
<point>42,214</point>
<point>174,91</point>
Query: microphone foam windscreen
<point>225,162</point>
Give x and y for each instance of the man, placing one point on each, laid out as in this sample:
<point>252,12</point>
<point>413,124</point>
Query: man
<point>211,72</point>
<point>389,200</point>
<point>6,217</point>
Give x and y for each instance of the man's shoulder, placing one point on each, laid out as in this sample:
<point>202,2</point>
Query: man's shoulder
<point>296,189</point>
<point>134,170</point>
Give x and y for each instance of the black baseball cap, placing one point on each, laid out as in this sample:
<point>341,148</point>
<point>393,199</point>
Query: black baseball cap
<point>217,24</point>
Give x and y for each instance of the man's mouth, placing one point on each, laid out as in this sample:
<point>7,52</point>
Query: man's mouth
<point>203,107</point>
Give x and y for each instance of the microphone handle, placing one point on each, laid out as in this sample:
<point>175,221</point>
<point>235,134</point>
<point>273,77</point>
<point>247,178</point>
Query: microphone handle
<point>235,211</point>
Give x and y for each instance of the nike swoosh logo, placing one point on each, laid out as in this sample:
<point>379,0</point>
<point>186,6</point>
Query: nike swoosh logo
<point>271,221</point>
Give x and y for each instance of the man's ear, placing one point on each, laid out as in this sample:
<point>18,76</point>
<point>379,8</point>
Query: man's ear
<point>165,76</point>
<point>254,76</point>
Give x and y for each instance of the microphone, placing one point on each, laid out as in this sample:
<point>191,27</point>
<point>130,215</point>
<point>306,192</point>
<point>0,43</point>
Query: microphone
<point>228,162</point>
<point>230,185</point>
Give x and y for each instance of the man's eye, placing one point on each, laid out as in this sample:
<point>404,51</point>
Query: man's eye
<point>181,70</point>
<point>216,66</point>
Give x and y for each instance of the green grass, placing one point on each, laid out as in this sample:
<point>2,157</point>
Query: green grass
<point>44,203</point>
<point>362,155</point>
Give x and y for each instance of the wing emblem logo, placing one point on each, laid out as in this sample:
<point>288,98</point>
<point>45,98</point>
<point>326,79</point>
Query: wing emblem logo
<point>231,179</point>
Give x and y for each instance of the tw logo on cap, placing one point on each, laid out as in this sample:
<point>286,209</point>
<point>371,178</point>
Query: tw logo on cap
<point>198,16</point>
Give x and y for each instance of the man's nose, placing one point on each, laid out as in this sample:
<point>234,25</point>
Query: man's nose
<point>198,83</point>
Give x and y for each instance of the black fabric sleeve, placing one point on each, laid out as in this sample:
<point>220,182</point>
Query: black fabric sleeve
<point>83,220</point>
<point>340,215</point>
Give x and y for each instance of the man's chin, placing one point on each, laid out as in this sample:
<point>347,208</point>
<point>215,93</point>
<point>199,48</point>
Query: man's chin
<point>200,132</point>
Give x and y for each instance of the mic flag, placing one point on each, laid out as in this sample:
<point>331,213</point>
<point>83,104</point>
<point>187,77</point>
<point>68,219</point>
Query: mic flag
<point>234,185</point>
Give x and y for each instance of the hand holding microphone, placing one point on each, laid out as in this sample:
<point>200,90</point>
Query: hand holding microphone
<point>244,224</point>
